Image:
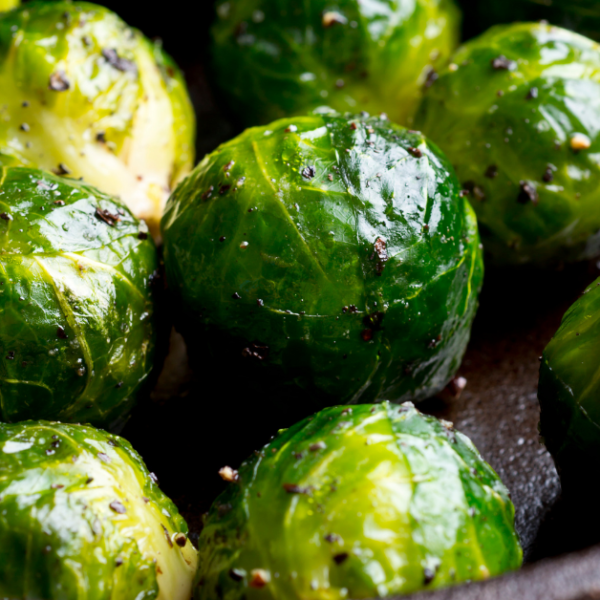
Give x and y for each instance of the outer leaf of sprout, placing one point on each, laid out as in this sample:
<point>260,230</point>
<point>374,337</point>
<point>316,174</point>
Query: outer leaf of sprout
<point>569,392</point>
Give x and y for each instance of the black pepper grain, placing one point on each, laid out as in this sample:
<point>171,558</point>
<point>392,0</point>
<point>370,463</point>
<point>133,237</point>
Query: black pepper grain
<point>58,82</point>
<point>338,559</point>
<point>491,172</point>
<point>309,172</point>
<point>548,175</point>
<point>121,64</point>
<point>528,193</point>
<point>501,63</point>
<point>117,507</point>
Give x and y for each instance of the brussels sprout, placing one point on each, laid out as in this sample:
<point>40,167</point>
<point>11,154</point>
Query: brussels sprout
<point>569,389</point>
<point>81,518</point>
<point>8,4</point>
<point>273,58</point>
<point>360,502</point>
<point>328,252</point>
<point>99,102</point>
<point>77,332</point>
<point>517,112</point>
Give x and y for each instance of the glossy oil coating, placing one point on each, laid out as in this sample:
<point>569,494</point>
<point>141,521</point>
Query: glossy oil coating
<point>332,253</point>
<point>82,93</point>
<point>569,390</point>
<point>360,502</point>
<point>77,330</point>
<point>274,58</point>
<point>81,518</point>
<point>517,113</point>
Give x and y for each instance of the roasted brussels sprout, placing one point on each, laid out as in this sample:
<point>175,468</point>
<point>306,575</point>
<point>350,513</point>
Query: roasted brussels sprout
<point>77,331</point>
<point>81,518</point>
<point>328,252</point>
<point>517,113</point>
<point>359,502</point>
<point>99,102</point>
<point>274,58</point>
<point>569,390</point>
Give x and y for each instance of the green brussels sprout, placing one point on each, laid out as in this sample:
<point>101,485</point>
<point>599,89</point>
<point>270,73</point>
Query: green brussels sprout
<point>83,94</point>
<point>329,253</point>
<point>77,331</point>
<point>273,58</point>
<point>569,390</point>
<point>8,4</point>
<point>81,518</point>
<point>517,113</point>
<point>361,502</point>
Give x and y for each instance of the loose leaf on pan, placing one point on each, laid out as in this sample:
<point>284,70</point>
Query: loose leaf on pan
<point>569,393</point>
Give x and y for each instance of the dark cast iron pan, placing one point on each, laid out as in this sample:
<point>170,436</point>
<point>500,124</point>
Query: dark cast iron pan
<point>187,431</point>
